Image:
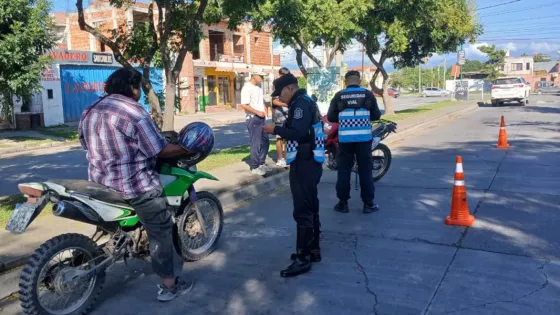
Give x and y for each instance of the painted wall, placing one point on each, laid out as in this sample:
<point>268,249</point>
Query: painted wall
<point>51,96</point>
<point>324,83</point>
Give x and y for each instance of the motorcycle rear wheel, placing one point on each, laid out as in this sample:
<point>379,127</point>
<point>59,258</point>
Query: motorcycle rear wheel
<point>186,226</point>
<point>31,276</point>
<point>385,161</point>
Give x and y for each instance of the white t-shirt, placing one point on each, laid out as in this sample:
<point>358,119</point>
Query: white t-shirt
<point>253,95</point>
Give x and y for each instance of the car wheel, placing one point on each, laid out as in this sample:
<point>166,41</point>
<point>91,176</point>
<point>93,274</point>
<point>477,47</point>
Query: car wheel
<point>494,103</point>
<point>539,92</point>
<point>424,95</point>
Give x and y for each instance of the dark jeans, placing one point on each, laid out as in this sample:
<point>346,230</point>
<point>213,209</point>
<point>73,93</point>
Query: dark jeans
<point>259,141</point>
<point>156,216</point>
<point>305,175</point>
<point>346,154</point>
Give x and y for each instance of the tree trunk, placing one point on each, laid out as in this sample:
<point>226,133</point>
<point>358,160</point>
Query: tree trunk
<point>299,60</point>
<point>153,100</point>
<point>169,114</point>
<point>387,100</point>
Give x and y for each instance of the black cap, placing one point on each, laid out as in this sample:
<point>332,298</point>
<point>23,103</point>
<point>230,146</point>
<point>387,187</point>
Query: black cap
<point>282,82</point>
<point>352,73</point>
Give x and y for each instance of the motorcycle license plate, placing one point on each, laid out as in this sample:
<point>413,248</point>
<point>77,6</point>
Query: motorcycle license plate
<point>23,215</point>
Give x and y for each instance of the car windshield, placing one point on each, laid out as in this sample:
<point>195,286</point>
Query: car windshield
<point>508,81</point>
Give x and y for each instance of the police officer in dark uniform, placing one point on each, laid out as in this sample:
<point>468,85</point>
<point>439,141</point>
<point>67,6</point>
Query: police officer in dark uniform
<point>305,153</point>
<point>353,109</point>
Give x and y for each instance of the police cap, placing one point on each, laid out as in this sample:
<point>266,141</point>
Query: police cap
<point>282,82</point>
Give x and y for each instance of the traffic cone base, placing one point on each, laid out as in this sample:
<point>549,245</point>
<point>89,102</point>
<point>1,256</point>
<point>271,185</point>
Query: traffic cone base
<point>459,214</point>
<point>502,137</point>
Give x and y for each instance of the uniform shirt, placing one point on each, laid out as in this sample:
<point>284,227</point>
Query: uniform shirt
<point>334,110</point>
<point>253,96</point>
<point>300,119</point>
<point>122,144</point>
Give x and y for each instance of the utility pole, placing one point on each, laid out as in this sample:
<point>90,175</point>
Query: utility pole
<point>438,79</point>
<point>444,71</point>
<point>363,57</point>
<point>420,78</point>
<point>432,74</point>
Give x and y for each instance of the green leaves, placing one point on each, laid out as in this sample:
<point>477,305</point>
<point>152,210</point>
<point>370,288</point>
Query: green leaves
<point>496,60</point>
<point>25,32</point>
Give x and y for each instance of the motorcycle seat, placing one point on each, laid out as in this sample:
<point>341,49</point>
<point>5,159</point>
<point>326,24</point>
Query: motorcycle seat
<point>92,190</point>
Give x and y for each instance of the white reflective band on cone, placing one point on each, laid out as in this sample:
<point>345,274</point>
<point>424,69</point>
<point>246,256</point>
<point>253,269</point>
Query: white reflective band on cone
<point>502,128</point>
<point>459,168</point>
<point>459,183</point>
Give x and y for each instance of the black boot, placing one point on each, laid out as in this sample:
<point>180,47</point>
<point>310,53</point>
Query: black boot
<point>370,207</point>
<point>315,253</point>
<point>301,263</point>
<point>341,206</point>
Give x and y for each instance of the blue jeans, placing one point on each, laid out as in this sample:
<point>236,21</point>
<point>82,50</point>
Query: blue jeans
<point>259,141</point>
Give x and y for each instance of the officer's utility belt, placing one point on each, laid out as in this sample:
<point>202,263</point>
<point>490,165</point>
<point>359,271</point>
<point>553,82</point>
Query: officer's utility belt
<point>318,134</point>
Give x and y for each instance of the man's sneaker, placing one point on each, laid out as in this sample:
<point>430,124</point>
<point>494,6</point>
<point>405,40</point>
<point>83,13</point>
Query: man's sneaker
<point>258,171</point>
<point>265,168</point>
<point>370,207</point>
<point>282,163</point>
<point>342,207</point>
<point>182,287</point>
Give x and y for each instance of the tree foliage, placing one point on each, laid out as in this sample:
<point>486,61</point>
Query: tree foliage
<point>407,31</point>
<point>25,33</point>
<point>541,58</point>
<point>409,78</point>
<point>496,60</point>
<point>472,66</point>
<point>163,42</point>
<point>308,24</point>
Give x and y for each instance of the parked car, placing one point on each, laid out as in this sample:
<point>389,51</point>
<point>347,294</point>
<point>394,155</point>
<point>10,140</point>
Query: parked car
<point>435,91</point>
<point>510,89</point>
<point>392,92</point>
<point>545,87</point>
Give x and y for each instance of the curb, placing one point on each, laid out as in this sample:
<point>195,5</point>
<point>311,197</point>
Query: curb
<point>279,177</point>
<point>24,149</point>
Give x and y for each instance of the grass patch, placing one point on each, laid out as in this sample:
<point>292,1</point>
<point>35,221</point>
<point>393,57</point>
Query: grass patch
<point>407,113</point>
<point>8,204</point>
<point>231,156</point>
<point>68,133</point>
<point>27,141</point>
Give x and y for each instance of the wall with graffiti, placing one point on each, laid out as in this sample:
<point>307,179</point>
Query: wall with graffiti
<point>324,83</point>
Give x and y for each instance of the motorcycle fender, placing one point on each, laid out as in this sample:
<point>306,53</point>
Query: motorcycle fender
<point>375,142</point>
<point>194,176</point>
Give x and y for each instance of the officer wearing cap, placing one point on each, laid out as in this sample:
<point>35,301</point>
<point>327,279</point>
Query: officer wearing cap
<point>353,109</point>
<point>305,154</point>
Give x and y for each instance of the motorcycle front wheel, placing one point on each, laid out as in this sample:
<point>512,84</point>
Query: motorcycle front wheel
<point>53,270</point>
<point>190,240</point>
<point>381,161</point>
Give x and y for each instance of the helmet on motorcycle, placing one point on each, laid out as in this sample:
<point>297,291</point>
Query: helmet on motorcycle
<point>198,139</point>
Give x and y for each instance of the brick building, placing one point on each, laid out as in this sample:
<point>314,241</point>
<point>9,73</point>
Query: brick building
<point>211,78</point>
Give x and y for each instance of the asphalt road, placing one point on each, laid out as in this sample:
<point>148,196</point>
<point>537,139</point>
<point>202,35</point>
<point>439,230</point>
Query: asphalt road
<point>402,260</point>
<point>67,164</point>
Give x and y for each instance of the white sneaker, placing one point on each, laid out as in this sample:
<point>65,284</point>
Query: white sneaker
<point>282,163</point>
<point>265,168</point>
<point>258,171</point>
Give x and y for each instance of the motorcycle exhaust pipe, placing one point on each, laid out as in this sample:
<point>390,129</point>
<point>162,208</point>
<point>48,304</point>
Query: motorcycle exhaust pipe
<point>74,211</point>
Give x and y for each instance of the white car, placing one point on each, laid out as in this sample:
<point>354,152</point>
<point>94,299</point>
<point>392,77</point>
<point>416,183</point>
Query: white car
<point>510,89</point>
<point>435,91</point>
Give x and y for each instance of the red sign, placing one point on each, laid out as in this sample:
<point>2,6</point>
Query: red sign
<point>80,57</point>
<point>85,87</point>
<point>49,74</point>
<point>455,71</point>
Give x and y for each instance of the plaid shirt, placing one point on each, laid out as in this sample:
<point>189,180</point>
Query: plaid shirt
<point>122,144</point>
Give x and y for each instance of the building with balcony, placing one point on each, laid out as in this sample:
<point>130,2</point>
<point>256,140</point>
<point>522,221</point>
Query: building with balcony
<point>211,77</point>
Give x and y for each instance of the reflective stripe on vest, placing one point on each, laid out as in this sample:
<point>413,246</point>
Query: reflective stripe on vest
<point>354,125</point>
<point>319,150</point>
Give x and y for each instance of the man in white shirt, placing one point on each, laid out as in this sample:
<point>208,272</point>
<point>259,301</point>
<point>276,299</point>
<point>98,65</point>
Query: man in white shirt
<point>252,101</point>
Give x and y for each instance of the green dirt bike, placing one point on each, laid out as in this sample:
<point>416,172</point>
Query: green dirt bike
<point>74,264</point>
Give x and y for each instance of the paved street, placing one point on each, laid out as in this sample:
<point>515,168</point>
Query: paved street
<point>66,164</point>
<point>403,259</point>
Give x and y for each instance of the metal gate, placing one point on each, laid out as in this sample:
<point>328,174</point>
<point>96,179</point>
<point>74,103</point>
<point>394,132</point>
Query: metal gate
<point>82,85</point>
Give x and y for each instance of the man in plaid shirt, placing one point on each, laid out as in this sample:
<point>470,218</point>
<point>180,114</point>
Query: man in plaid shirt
<point>123,144</point>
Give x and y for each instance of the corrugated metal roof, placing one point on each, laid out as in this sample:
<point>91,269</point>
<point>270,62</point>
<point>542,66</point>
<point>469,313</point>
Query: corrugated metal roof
<point>544,66</point>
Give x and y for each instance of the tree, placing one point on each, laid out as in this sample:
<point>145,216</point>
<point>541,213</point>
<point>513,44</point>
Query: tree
<point>407,31</point>
<point>177,32</point>
<point>302,82</point>
<point>472,66</point>
<point>541,58</point>
<point>25,33</point>
<point>496,60</point>
<point>311,23</point>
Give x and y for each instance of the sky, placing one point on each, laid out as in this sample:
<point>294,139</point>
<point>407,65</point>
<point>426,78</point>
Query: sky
<point>523,26</point>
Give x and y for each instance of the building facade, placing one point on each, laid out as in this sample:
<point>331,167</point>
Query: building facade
<point>211,77</point>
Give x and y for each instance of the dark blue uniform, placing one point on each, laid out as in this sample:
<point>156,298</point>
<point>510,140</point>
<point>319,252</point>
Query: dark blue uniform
<point>305,172</point>
<point>352,99</point>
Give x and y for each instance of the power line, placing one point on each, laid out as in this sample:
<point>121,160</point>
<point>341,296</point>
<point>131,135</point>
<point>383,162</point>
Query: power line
<point>539,30</point>
<point>521,10</point>
<point>527,19</point>
<point>524,39</point>
<point>498,5</point>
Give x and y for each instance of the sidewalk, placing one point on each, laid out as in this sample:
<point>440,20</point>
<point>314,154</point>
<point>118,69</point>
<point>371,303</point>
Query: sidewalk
<point>236,184</point>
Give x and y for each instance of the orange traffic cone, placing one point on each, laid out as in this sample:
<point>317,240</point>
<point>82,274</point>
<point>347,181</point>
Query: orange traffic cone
<point>459,214</point>
<point>502,137</point>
